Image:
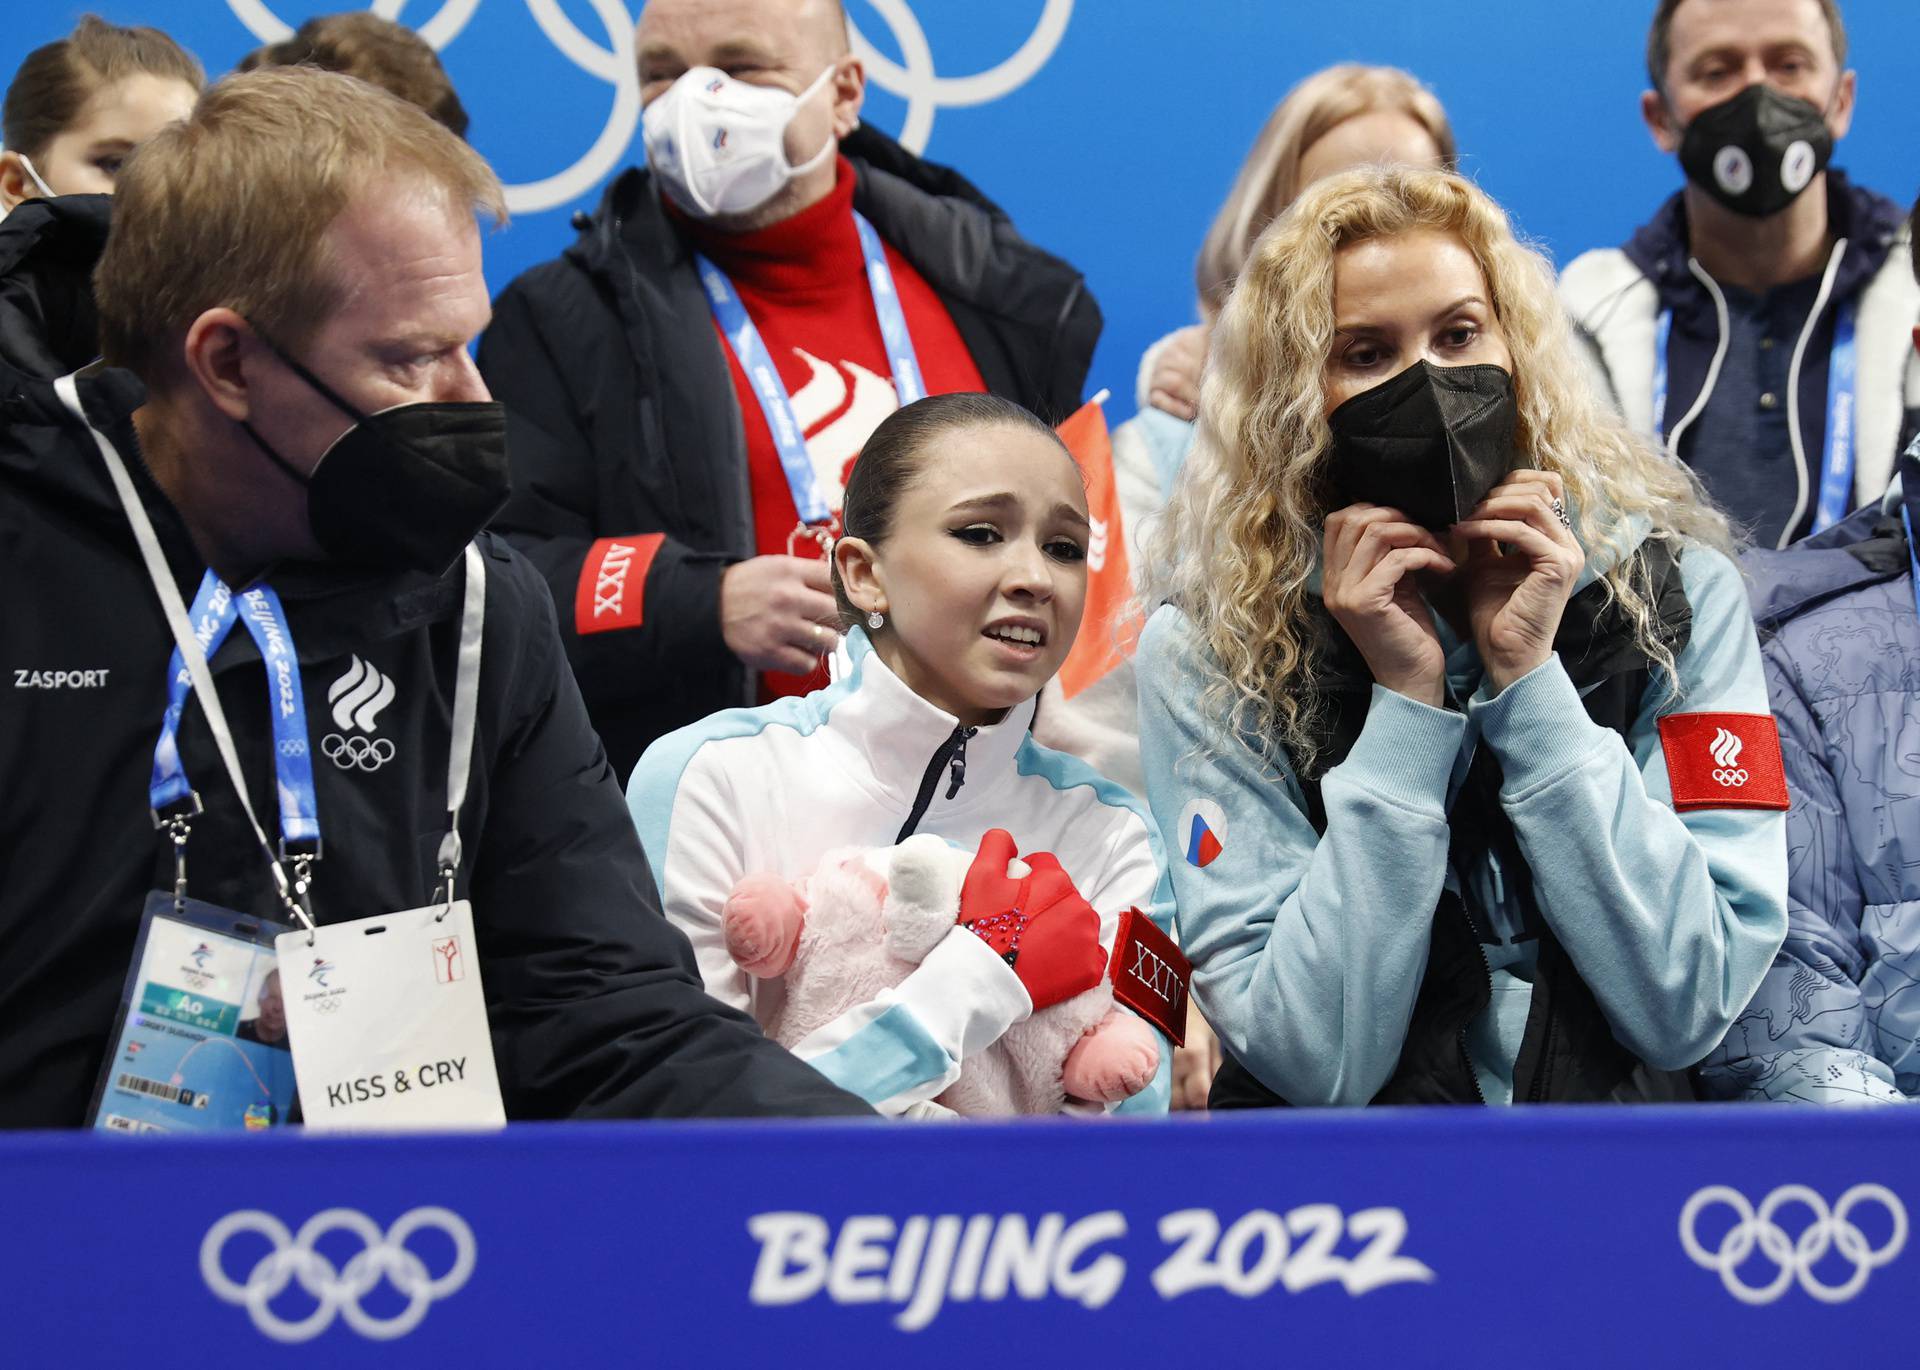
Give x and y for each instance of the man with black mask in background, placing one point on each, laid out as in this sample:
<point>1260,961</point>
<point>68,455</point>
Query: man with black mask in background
<point>1760,324</point>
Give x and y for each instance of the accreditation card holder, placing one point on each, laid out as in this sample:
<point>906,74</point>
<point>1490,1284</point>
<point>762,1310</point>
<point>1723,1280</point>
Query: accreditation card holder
<point>200,1043</point>
<point>389,1022</point>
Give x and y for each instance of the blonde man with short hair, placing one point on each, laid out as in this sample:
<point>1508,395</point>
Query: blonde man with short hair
<point>287,296</point>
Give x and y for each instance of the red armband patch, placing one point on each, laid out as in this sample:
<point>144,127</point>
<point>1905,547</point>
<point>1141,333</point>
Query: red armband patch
<point>1724,761</point>
<point>612,589</point>
<point>1150,975</point>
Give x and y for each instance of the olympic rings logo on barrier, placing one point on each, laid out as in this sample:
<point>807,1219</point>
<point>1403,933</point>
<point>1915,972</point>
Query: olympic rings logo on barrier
<point>613,64</point>
<point>356,753</point>
<point>1831,1229</point>
<point>338,1292</point>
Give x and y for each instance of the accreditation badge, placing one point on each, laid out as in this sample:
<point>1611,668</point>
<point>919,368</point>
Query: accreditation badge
<point>200,1043</point>
<point>389,1023</point>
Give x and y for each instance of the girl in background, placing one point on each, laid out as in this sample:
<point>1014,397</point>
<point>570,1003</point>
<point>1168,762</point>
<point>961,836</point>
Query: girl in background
<point>78,106</point>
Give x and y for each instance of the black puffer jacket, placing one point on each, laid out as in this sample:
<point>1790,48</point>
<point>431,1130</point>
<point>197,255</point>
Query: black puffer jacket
<point>624,419</point>
<point>48,323</point>
<point>596,1006</point>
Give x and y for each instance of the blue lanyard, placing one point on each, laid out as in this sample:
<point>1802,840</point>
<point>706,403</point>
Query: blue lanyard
<point>1843,365</point>
<point>215,609</point>
<point>764,377</point>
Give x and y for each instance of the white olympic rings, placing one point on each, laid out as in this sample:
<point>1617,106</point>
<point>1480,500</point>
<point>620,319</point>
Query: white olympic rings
<point>1731,778</point>
<point>338,1292</point>
<point>613,64</point>
<point>1796,1258</point>
<point>925,91</point>
<point>367,754</point>
<point>914,78</point>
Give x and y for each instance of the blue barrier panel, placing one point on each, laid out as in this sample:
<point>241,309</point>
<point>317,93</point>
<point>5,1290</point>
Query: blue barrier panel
<point>1569,1237</point>
<point>1110,131</point>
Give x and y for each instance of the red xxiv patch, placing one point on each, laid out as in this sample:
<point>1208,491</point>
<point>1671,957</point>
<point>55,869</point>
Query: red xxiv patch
<point>1149,974</point>
<point>613,582</point>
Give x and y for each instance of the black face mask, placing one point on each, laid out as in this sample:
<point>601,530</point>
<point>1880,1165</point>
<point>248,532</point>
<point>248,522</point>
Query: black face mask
<point>1430,442</point>
<point>406,488</point>
<point>1756,152</point>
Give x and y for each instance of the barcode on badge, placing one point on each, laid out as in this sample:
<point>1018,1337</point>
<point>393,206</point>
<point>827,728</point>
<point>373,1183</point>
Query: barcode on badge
<point>168,1094</point>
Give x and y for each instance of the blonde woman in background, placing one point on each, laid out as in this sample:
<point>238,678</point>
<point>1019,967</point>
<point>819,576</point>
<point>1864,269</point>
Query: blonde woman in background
<point>1422,709</point>
<point>1342,117</point>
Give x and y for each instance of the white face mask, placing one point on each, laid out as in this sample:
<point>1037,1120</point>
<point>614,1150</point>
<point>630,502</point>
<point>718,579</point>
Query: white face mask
<point>718,145</point>
<point>32,171</point>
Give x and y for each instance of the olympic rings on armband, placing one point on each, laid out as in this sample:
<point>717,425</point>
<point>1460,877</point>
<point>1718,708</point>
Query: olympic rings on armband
<point>338,1291</point>
<point>1795,1258</point>
<point>356,753</point>
<point>293,746</point>
<point>1732,778</point>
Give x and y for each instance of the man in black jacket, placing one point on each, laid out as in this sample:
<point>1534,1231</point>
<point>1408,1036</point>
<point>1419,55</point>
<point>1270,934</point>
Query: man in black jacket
<point>649,495</point>
<point>301,248</point>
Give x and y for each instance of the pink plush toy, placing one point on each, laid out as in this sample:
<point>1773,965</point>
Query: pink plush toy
<point>861,923</point>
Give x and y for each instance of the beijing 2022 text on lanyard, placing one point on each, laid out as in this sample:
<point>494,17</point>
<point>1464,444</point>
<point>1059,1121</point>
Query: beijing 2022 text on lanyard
<point>385,1031</point>
<point>816,519</point>
<point>1836,472</point>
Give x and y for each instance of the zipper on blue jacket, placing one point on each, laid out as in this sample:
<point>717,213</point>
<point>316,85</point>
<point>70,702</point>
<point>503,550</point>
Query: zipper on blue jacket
<point>951,756</point>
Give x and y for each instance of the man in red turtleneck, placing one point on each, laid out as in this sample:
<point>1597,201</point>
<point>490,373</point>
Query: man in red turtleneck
<point>680,536</point>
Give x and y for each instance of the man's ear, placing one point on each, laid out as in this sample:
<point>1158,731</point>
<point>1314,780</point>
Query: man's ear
<point>849,84</point>
<point>15,184</point>
<point>1659,121</point>
<point>216,351</point>
<point>1840,113</point>
<point>860,575</point>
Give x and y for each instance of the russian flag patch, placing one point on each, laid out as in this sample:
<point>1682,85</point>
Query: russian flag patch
<point>1202,833</point>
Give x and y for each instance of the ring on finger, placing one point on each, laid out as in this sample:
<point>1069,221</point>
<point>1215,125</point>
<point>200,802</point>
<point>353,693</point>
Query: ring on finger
<point>1560,512</point>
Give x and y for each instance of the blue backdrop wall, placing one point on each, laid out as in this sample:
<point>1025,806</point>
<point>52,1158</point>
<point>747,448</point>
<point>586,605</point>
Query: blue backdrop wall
<point>1109,128</point>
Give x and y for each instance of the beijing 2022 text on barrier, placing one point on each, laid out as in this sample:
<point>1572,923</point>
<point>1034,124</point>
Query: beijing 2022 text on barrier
<point>1702,1236</point>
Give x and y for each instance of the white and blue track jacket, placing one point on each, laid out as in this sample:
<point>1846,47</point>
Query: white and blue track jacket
<point>773,789</point>
<point>1308,948</point>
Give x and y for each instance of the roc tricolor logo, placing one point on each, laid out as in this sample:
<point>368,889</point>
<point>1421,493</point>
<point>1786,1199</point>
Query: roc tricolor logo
<point>1202,832</point>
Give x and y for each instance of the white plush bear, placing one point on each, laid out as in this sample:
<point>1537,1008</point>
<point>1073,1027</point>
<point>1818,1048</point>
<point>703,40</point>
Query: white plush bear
<point>860,924</point>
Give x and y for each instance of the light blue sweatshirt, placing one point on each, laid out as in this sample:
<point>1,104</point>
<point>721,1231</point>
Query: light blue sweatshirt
<point>1309,948</point>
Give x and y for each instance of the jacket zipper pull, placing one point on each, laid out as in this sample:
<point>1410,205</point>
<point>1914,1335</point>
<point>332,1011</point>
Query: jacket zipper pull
<point>957,775</point>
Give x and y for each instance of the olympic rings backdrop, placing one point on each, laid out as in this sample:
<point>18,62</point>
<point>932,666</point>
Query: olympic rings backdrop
<point>1110,130</point>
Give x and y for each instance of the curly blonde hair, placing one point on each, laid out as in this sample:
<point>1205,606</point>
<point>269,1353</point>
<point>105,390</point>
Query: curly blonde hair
<point>1241,538</point>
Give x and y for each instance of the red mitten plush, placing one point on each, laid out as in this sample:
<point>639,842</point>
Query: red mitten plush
<point>1036,921</point>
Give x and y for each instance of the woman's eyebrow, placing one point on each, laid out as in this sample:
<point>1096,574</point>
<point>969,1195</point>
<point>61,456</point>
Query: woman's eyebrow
<point>999,500</point>
<point>1074,516</point>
